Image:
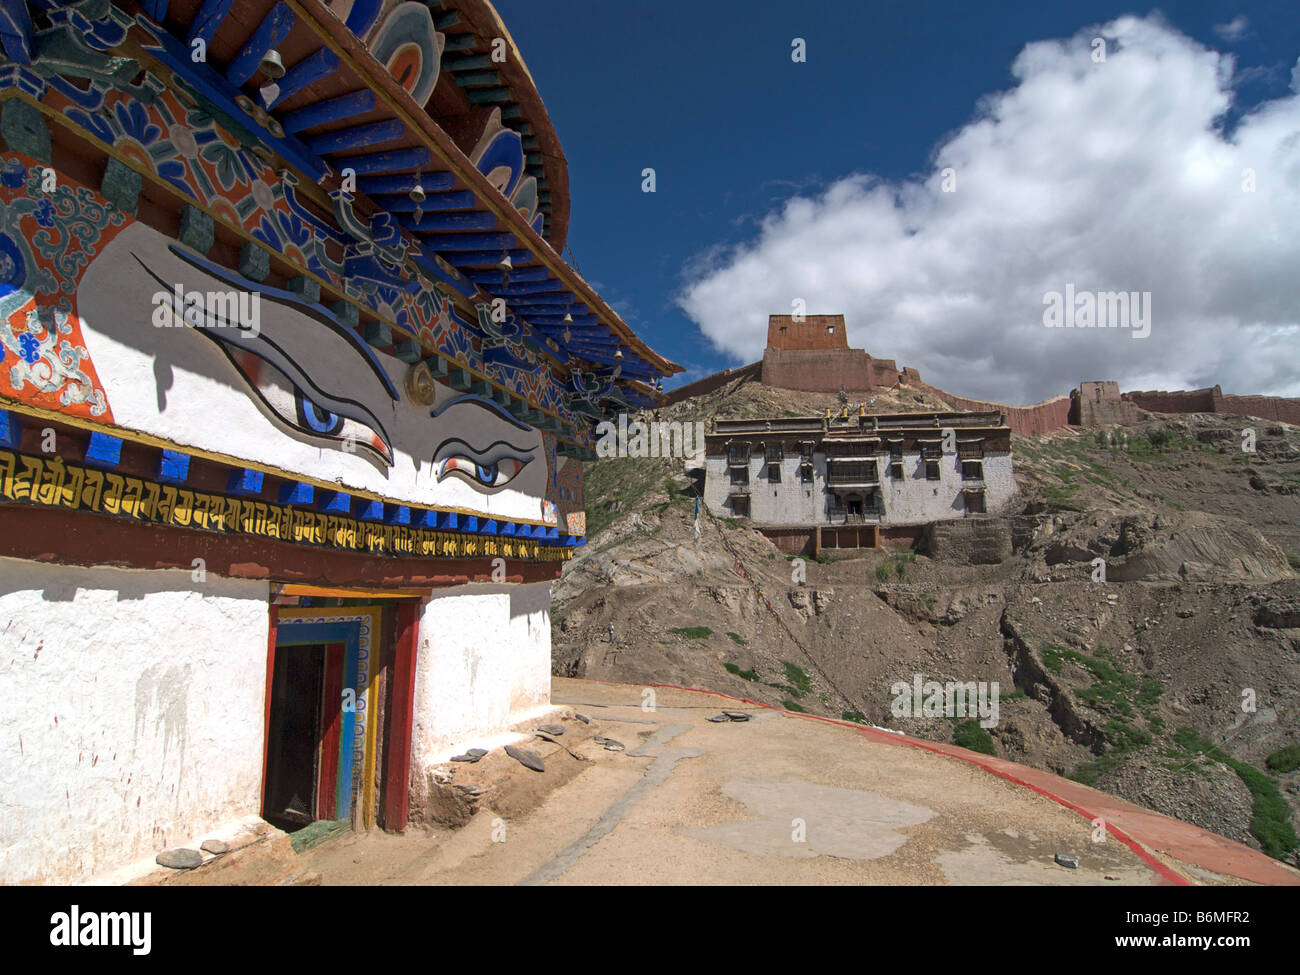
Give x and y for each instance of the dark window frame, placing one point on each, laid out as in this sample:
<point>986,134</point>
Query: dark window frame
<point>853,472</point>
<point>737,454</point>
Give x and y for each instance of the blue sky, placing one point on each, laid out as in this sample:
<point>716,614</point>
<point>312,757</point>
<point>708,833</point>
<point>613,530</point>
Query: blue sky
<point>819,180</point>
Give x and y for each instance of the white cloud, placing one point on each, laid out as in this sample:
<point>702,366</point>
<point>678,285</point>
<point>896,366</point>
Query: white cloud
<point>1233,30</point>
<point>1109,176</point>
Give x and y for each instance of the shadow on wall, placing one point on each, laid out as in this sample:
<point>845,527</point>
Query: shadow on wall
<point>126,584</point>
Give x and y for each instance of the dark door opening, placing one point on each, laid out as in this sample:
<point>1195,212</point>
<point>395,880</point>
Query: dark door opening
<point>293,748</point>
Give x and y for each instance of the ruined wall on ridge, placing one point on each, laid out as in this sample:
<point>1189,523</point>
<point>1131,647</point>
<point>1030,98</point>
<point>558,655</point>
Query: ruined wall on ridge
<point>827,371</point>
<point>1028,421</point>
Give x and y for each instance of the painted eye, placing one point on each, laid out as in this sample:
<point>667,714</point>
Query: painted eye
<point>496,474</point>
<point>291,403</point>
<point>500,472</point>
<point>314,418</point>
<point>272,364</point>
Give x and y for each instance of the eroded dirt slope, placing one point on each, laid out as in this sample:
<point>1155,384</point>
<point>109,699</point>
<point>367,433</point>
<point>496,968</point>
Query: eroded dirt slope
<point>1170,683</point>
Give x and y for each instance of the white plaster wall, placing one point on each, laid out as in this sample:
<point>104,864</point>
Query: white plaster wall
<point>999,481</point>
<point>134,713</point>
<point>484,660</point>
<point>912,500</point>
<point>716,486</point>
<point>789,502</point>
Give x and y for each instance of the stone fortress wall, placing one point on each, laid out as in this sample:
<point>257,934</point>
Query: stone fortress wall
<point>812,354</point>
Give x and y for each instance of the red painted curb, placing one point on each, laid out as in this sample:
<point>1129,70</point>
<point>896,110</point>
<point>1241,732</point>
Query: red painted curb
<point>1160,869</point>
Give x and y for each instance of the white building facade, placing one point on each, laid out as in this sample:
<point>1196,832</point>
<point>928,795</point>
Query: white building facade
<point>896,470</point>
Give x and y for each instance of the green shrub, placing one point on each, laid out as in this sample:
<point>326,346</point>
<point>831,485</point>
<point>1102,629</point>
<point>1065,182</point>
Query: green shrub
<point>1270,820</point>
<point>1060,498</point>
<point>801,681</point>
<point>1284,759</point>
<point>693,632</point>
<point>749,675</point>
<point>1162,437</point>
<point>969,734</point>
<point>1089,772</point>
<point>1052,656</point>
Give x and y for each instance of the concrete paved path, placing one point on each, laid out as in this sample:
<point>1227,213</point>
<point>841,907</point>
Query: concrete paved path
<point>790,799</point>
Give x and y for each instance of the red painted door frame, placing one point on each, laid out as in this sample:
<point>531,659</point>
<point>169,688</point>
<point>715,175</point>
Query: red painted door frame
<point>397,764</point>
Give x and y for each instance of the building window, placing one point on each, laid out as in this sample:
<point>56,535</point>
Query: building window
<point>740,506</point>
<point>852,472</point>
<point>932,470</point>
<point>738,455</point>
<point>806,461</point>
<point>896,459</point>
<point>971,450</point>
<point>740,475</point>
<point>773,454</point>
<point>851,448</point>
<point>932,451</point>
<point>975,502</point>
<point>972,470</point>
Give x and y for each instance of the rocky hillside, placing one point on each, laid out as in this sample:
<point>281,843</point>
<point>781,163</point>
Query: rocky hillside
<point>1137,606</point>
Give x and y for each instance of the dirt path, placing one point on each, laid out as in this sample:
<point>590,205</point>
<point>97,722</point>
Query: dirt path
<point>783,799</point>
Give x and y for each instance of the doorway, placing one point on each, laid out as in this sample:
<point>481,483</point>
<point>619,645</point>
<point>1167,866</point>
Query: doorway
<point>340,686</point>
<point>294,753</point>
<point>320,736</point>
